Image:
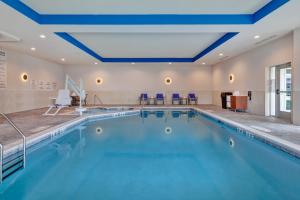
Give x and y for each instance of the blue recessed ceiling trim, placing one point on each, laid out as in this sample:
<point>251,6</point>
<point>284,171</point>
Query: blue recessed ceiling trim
<point>146,60</point>
<point>217,43</point>
<point>78,44</point>
<point>152,19</point>
<point>157,19</point>
<point>89,51</point>
<point>267,9</point>
<point>24,9</point>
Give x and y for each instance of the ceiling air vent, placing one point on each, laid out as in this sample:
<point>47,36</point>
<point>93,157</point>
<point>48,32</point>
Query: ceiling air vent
<point>6,37</point>
<point>266,40</point>
<point>224,58</point>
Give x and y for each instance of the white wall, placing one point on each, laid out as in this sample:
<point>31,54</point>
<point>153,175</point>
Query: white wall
<point>249,70</point>
<point>18,95</point>
<point>123,83</point>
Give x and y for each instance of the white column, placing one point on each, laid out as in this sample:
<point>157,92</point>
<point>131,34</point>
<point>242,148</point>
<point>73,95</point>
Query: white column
<point>296,78</point>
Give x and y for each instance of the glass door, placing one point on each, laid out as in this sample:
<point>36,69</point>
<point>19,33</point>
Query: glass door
<point>283,91</point>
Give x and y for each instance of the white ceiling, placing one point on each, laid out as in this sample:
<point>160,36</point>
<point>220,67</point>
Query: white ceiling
<point>145,6</point>
<point>147,45</point>
<point>53,48</point>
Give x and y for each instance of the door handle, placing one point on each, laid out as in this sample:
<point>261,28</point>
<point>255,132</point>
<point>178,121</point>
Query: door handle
<point>277,91</point>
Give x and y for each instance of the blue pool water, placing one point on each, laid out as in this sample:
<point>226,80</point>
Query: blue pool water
<point>159,155</point>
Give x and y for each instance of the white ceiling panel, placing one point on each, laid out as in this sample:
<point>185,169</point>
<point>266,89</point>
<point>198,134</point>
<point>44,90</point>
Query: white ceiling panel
<point>149,45</point>
<point>146,6</point>
<point>53,48</point>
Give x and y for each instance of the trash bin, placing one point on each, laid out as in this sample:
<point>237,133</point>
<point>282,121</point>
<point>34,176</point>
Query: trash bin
<point>224,99</point>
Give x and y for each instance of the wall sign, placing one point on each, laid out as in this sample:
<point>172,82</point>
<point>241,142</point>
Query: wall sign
<point>3,70</point>
<point>43,85</point>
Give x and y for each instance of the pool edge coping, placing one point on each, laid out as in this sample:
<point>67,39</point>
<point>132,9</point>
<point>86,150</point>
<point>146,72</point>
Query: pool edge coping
<point>34,139</point>
<point>276,142</point>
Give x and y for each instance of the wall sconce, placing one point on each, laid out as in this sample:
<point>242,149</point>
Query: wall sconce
<point>24,77</point>
<point>231,78</point>
<point>168,81</point>
<point>99,81</point>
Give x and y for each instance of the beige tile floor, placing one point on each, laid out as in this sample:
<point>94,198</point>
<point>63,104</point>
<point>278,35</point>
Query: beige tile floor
<point>277,127</point>
<point>32,122</point>
<point>29,122</point>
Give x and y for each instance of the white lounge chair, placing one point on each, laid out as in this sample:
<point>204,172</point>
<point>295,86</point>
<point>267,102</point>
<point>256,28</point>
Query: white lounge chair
<point>63,100</point>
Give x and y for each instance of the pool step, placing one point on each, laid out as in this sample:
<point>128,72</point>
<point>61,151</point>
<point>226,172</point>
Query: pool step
<point>12,166</point>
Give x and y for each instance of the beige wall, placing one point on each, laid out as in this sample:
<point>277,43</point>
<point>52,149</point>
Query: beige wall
<point>296,78</point>
<point>249,70</point>
<point>18,95</point>
<point>123,83</point>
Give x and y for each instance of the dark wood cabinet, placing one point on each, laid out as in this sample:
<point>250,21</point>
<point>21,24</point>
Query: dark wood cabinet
<point>239,103</point>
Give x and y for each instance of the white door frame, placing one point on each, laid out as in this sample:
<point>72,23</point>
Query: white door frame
<point>272,96</point>
<point>279,113</point>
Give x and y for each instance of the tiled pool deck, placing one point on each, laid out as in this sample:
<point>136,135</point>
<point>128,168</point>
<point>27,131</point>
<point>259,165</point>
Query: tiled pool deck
<point>30,123</point>
<point>33,123</point>
<point>274,126</point>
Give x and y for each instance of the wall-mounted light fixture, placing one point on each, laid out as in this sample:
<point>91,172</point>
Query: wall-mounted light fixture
<point>168,81</point>
<point>99,81</point>
<point>24,77</point>
<point>231,78</point>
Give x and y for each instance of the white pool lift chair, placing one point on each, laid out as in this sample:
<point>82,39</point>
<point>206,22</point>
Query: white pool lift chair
<point>63,100</point>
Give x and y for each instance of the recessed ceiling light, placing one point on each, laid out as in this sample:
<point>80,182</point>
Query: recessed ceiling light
<point>63,59</point>
<point>133,63</point>
<point>42,36</point>
<point>170,63</point>
<point>256,36</point>
<point>95,63</point>
<point>203,63</point>
<point>221,54</point>
<point>32,48</point>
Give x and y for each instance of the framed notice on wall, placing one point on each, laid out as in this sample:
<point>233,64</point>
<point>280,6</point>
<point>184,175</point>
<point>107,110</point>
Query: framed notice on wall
<point>3,70</point>
<point>42,85</point>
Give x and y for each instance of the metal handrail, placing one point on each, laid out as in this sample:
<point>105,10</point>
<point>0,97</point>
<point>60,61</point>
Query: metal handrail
<point>23,136</point>
<point>96,97</point>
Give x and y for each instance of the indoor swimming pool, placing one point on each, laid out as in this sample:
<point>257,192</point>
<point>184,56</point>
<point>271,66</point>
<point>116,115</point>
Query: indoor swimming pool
<point>100,110</point>
<point>155,155</point>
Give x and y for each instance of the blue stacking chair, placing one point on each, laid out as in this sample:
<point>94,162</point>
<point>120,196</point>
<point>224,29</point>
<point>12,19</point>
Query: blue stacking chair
<point>159,98</point>
<point>175,97</point>
<point>144,98</point>
<point>192,98</point>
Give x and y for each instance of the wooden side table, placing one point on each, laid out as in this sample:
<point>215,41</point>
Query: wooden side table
<point>183,100</point>
<point>151,100</point>
<point>239,103</point>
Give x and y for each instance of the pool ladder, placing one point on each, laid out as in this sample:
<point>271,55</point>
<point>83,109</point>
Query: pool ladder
<point>15,162</point>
